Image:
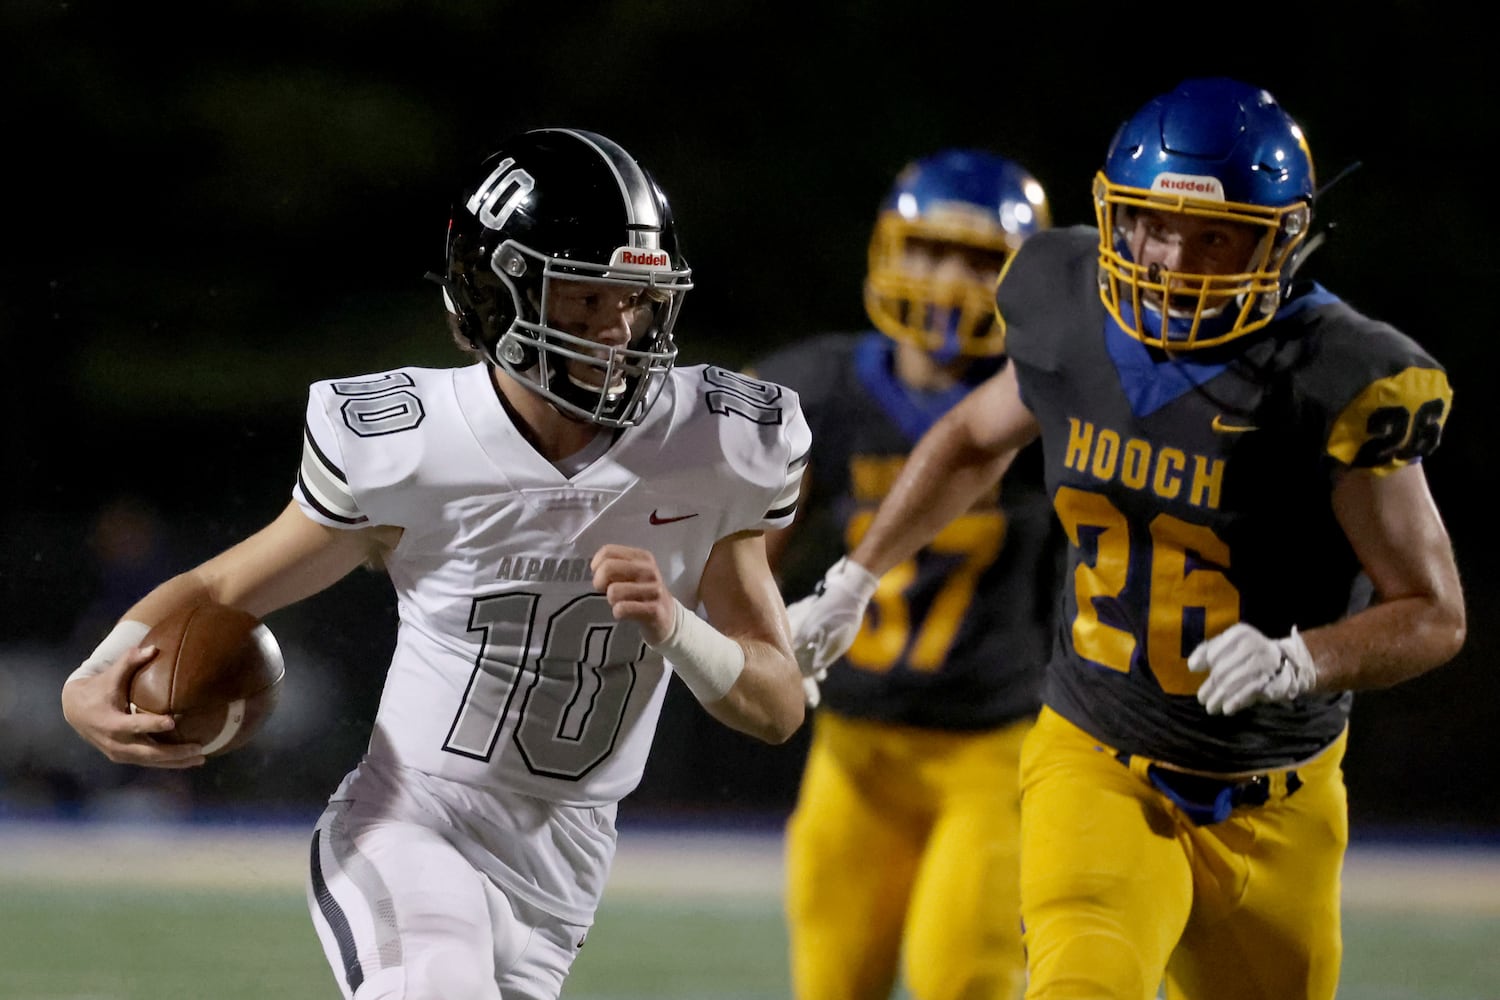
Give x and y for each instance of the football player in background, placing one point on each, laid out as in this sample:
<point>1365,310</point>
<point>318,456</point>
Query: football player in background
<point>902,850</point>
<point>1235,457</point>
<point>547,515</point>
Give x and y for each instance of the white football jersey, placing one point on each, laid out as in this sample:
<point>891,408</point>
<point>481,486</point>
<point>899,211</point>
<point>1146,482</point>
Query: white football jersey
<point>509,670</point>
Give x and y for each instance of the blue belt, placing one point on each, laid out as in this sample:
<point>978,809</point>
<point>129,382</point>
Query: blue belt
<point>1205,799</point>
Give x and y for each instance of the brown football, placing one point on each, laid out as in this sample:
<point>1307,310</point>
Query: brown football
<point>217,671</point>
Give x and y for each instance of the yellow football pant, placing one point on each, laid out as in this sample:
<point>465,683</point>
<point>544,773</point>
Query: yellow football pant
<point>905,838</point>
<point>1119,889</point>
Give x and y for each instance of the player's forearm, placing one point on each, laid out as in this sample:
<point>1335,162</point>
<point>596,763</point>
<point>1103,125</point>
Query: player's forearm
<point>1418,621</point>
<point>202,584</point>
<point>943,478</point>
<point>1389,643</point>
<point>766,701</point>
<point>744,681</point>
<point>177,592</point>
<point>180,591</point>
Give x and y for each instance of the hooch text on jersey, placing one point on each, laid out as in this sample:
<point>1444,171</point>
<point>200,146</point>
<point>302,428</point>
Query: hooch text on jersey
<point>538,569</point>
<point>1169,473</point>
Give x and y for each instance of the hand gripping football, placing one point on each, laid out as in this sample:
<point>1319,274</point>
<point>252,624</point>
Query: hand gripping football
<point>217,671</point>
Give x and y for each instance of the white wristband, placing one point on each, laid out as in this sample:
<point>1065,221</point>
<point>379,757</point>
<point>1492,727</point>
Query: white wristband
<point>125,636</point>
<point>707,660</point>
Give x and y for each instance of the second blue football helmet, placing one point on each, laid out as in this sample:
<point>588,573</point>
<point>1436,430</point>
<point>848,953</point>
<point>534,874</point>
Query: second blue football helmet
<point>1216,149</point>
<point>984,204</point>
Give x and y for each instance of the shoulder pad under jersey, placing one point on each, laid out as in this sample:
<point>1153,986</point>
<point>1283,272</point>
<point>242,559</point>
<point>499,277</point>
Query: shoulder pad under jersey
<point>759,431</point>
<point>1046,282</point>
<point>1386,400</point>
<point>341,413</point>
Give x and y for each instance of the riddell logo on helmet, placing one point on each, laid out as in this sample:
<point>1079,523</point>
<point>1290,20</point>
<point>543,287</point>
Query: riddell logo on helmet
<point>631,257</point>
<point>1189,184</point>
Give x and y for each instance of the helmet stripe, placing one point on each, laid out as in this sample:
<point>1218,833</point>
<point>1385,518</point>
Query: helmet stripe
<point>644,221</point>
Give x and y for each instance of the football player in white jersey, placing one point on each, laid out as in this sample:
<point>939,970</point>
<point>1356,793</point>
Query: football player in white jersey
<point>550,517</point>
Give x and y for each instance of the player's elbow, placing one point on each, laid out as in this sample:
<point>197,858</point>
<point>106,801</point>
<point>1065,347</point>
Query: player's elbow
<point>1449,632</point>
<point>1445,623</point>
<point>775,724</point>
<point>1435,637</point>
<point>777,734</point>
<point>785,723</point>
<point>769,712</point>
<point>785,703</point>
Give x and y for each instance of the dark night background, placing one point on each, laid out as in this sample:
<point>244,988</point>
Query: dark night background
<point>207,208</point>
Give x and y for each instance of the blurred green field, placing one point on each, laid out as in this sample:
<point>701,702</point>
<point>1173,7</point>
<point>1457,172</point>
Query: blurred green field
<point>684,919</point>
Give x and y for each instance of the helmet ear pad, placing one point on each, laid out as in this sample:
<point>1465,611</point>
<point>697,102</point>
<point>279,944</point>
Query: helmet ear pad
<point>488,306</point>
<point>471,303</point>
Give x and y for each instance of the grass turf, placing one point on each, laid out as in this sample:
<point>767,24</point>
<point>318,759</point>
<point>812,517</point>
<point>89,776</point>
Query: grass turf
<point>84,943</point>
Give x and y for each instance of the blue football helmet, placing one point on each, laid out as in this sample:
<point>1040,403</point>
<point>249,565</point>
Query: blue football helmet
<point>1219,150</point>
<point>980,202</point>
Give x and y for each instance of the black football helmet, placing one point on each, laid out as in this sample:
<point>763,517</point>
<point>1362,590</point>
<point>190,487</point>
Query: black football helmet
<point>564,204</point>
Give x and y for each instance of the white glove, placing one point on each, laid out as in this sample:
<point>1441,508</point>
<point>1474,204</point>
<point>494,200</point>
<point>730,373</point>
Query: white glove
<point>825,623</point>
<point>811,693</point>
<point>797,613</point>
<point>1245,668</point>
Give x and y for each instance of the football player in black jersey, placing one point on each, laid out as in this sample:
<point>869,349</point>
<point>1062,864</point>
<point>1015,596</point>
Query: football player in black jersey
<point>1235,455</point>
<point>904,842</point>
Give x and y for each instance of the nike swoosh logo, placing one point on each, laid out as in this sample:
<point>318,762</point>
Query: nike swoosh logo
<point>658,519</point>
<point>1221,427</point>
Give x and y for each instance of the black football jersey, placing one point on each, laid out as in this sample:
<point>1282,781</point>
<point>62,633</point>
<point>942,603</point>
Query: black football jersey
<point>955,638</point>
<point>1195,493</point>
